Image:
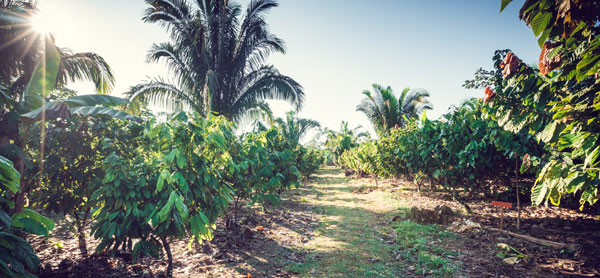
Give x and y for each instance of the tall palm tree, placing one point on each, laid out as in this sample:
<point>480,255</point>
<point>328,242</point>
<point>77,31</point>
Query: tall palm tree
<point>217,58</point>
<point>386,111</point>
<point>294,128</point>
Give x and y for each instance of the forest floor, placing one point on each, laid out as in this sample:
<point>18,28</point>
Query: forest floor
<point>335,226</point>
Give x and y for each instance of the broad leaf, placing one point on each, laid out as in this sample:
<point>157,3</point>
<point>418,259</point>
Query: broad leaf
<point>43,80</point>
<point>504,4</point>
<point>93,100</point>
<point>96,111</point>
<point>540,22</point>
<point>33,222</point>
<point>51,111</point>
<point>9,176</point>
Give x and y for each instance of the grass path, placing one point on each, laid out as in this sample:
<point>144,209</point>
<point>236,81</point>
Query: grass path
<point>355,236</point>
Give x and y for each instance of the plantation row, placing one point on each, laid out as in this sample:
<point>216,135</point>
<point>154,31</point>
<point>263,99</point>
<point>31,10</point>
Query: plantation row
<point>541,123</point>
<point>150,181</point>
<point>463,152</point>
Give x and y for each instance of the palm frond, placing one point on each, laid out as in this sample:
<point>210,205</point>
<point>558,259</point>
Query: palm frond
<point>267,84</point>
<point>85,66</point>
<point>159,92</point>
<point>259,112</point>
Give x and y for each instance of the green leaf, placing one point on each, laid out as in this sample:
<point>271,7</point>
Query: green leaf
<point>34,100</point>
<point>97,111</point>
<point>164,176</point>
<point>203,218</point>
<point>588,60</point>
<point>181,163</point>
<point>61,109</point>
<point>554,196</point>
<point>548,133</point>
<point>574,182</point>
<point>591,158</point>
<point>108,177</point>
<point>5,219</point>
<point>33,222</point>
<point>171,156</point>
<point>21,253</point>
<point>9,176</point>
<point>538,193</point>
<point>524,167</point>
<point>43,80</point>
<point>504,4</point>
<point>164,212</point>
<point>540,22</point>
<point>183,185</point>
<point>5,100</point>
<point>181,207</point>
<point>136,251</point>
<point>93,100</point>
<point>50,111</point>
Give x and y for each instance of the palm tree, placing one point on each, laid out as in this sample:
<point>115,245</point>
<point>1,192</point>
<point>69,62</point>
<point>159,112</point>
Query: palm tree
<point>22,48</point>
<point>345,139</point>
<point>218,59</point>
<point>294,128</point>
<point>386,111</point>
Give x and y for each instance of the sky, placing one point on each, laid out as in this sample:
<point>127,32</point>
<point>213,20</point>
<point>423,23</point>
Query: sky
<point>335,48</point>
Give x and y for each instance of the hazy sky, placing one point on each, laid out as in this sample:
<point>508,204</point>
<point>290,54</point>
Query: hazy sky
<point>335,48</point>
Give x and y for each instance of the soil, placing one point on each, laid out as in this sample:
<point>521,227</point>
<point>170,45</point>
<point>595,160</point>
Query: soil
<point>254,253</point>
<point>290,227</point>
<point>550,223</point>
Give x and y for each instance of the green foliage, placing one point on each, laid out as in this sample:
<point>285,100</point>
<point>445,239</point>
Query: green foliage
<point>164,180</point>
<point>71,168</point>
<point>344,139</point>
<point>294,128</point>
<point>17,258</point>
<point>9,176</point>
<point>43,80</point>
<point>309,159</point>
<point>464,152</point>
<point>266,165</point>
<point>218,59</point>
<point>558,104</point>
<point>82,105</point>
<point>386,111</point>
<point>362,159</point>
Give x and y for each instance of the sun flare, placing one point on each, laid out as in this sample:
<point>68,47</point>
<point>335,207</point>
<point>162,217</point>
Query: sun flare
<point>42,23</point>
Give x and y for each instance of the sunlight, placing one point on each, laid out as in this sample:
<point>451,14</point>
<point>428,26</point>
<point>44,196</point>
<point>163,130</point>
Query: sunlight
<point>42,23</point>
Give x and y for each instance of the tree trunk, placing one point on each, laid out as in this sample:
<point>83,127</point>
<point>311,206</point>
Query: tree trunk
<point>169,257</point>
<point>235,211</point>
<point>81,233</point>
<point>518,193</point>
<point>19,197</point>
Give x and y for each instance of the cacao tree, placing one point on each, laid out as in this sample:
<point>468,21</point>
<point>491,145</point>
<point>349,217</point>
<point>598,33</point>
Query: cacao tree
<point>163,181</point>
<point>557,103</point>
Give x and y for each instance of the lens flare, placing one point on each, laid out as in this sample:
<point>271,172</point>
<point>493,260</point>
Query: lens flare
<point>42,23</point>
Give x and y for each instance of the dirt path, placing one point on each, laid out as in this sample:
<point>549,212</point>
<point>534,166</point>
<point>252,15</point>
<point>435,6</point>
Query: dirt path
<point>350,240</point>
<point>355,236</point>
